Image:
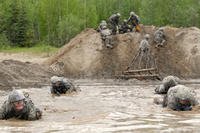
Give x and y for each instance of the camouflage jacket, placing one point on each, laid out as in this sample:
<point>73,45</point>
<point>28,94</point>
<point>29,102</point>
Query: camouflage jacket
<point>30,112</point>
<point>159,36</point>
<point>134,20</point>
<point>180,92</point>
<point>144,45</point>
<point>114,19</point>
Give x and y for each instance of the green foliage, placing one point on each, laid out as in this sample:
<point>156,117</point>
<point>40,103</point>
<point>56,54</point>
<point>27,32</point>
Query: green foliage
<point>55,22</point>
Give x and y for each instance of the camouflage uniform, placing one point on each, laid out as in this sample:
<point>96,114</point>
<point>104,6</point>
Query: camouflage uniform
<point>124,27</point>
<point>29,111</point>
<point>159,37</point>
<point>144,52</point>
<point>177,94</point>
<point>102,25</point>
<point>133,20</point>
<point>167,82</point>
<point>106,36</point>
<point>114,23</point>
<point>64,86</point>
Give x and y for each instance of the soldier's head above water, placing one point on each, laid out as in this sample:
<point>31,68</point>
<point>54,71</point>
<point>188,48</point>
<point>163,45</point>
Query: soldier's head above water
<point>19,106</point>
<point>60,85</point>
<point>16,99</point>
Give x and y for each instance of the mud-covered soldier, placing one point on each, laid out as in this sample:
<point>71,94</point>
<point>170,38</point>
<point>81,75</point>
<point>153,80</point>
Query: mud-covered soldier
<point>106,36</point>
<point>167,82</point>
<point>19,106</point>
<point>159,37</point>
<point>61,85</point>
<point>101,25</point>
<point>125,27</point>
<point>114,23</point>
<point>144,52</point>
<point>144,44</point>
<point>180,98</point>
<point>134,21</point>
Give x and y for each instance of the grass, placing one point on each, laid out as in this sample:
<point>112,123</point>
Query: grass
<point>37,49</point>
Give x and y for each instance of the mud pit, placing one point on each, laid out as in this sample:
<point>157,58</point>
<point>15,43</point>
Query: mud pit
<point>104,106</point>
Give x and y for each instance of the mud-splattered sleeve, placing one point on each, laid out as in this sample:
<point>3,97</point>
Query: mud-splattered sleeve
<point>34,113</point>
<point>3,111</point>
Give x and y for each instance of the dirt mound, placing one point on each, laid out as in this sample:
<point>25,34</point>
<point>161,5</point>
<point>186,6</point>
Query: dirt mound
<point>86,55</point>
<point>19,74</point>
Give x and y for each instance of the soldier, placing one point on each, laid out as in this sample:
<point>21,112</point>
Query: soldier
<point>144,44</point>
<point>144,50</point>
<point>167,82</point>
<point>19,106</point>
<point>159,37</point>
<point>124,27</point>
<point>134,21</point>
<point>61,85</point>
<point>101,25</point>
<point>114,23</point>
<point>106,36</point>
<point>180,98</point>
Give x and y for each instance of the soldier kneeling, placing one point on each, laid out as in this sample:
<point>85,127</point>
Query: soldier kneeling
<point>61,85</point>
<point>19,106</point>
<point>180,98</point>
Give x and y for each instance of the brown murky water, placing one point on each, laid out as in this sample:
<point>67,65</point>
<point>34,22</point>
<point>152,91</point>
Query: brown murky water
<point>103,106</point>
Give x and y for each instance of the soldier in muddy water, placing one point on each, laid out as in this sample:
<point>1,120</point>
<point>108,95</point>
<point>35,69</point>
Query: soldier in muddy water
<point>61,85</point>
<point>18,105</point>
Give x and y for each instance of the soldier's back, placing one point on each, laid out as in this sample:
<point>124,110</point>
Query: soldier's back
<point>180,92</point>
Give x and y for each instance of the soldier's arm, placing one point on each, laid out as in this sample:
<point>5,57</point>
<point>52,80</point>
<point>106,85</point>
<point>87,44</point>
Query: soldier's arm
<point>34,113</point>
<point>54,91</point>
<point>160,89</point>
<point>4,111</point>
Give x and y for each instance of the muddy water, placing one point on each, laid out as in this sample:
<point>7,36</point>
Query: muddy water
<point>103,107</point>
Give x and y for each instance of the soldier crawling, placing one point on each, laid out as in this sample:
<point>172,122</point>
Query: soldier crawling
<point>180,98</point>
<point>167,82</point>
<point>159,37</point>
<point>61,85</point>
<point>19,106</point>
<point>106,36</point>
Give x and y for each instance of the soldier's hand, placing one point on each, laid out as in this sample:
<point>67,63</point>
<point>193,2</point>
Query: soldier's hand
<point>57,93</point>
<point>38,114</point>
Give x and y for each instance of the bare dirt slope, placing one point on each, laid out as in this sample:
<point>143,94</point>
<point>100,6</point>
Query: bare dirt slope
<point>86,56</point>
<point>23,74</point>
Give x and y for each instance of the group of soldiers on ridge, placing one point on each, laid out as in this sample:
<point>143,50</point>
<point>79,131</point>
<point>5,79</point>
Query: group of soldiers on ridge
<point>113,26</point>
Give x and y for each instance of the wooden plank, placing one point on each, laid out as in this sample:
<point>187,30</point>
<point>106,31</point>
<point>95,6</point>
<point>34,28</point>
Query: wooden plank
<point>138,76</point>
<point>140,70</point>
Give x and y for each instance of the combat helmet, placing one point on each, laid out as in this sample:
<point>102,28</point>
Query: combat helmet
<point>132,13</point>
<point>55,79</point>
<point>16,95</point>
<point>147,36</point>
<point>118,14</point>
